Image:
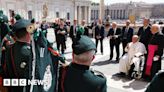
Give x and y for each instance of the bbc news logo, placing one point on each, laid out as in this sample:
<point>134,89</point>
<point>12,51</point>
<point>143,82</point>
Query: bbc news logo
<point>23,82</point>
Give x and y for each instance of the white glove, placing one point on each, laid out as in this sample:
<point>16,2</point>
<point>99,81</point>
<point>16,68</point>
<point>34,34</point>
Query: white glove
<point>156,58</point>
<point>116,36</point>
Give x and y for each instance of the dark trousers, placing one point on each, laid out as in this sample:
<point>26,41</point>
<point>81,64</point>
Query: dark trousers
<point>116,45</point>
<point>101,43</point>
<point>156,66</point>
<point>124,44</point>
<point>62,45</point>
<point>143,72</point>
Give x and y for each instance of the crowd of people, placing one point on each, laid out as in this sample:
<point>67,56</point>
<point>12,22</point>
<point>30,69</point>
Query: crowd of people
<point>26,53</point>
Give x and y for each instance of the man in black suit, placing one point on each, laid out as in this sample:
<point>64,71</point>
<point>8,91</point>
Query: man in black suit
<point>73,30</point>
<point>144,33</point>
<point>127,33</point>
<point>99,34</point>
<point>163,30</point>
<point>86,29</point>
<point>115,38</point>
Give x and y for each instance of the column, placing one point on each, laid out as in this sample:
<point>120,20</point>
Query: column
<point>80,13</point>
<point>89,14</point>
<point>101,9</point>
<point>75,12</point>
<point>77,17</point>
<point>86,13</point>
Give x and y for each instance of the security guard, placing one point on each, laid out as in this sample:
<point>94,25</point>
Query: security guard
<point>77,77</point>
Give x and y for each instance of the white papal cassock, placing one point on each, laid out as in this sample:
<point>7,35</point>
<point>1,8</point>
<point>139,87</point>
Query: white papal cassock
<point>126,60</point>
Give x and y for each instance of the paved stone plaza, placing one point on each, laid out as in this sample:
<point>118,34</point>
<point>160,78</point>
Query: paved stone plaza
<point>109,68</point>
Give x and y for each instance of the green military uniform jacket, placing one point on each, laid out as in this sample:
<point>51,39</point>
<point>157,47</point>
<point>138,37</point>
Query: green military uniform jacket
<point>78,78</point>
<point>157,83</point>
<point>19,63</point>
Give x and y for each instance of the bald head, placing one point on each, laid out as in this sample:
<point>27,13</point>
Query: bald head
<point>114,25</point>
<point>135,38</point>
<point>155,28</point>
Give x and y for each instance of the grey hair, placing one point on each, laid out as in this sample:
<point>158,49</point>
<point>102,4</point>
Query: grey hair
<point>114,23</point>
<point>85,57</point>
<point>128,21</point>
<point>157,26</point>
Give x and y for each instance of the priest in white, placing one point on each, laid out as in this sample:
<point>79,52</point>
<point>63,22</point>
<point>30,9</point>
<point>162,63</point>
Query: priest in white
<point>132,48</point>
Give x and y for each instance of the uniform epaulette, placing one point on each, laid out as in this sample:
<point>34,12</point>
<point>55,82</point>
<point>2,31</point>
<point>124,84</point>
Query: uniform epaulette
<point>98,73</point>
<point>160,73</point>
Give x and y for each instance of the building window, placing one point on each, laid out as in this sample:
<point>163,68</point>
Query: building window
<point>124,14</point>
<point>97,14</point>
<point>92,14</point>
<point>68,15</point>
<point>117,14</point>
<point>120,14</point>
<point>29,14</point>
<point>111,14</point>
<point>57,14</point>
<point>114,14</point>
<point>12,13</point>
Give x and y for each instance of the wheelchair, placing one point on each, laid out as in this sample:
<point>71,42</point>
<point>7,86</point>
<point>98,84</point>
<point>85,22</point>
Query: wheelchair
<point>137,66</point>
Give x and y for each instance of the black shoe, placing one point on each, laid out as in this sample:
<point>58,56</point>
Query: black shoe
<point>121,74</point>
<point>117,59</point>
<point>110,59</point>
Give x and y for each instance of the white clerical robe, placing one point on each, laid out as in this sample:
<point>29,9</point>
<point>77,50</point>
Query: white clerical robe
<point>132,49</point>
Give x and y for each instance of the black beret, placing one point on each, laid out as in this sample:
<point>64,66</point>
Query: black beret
<point>22,23</point>
<point>32,20</point>
<point>83,44</point>
<point>17,17</point>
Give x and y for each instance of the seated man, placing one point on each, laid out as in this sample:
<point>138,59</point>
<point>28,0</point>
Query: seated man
<point>132,49</point>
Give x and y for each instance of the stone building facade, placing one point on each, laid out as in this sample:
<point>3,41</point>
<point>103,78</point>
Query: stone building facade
<point>68,9</point>
<point>158,11</point>
<point>124,10</point>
